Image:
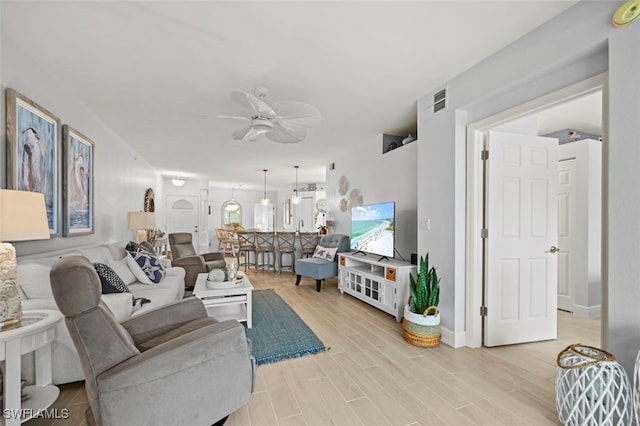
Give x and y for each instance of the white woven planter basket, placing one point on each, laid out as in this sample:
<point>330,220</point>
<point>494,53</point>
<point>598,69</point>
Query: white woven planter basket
<point>636,389</point>
<point>591,388</point>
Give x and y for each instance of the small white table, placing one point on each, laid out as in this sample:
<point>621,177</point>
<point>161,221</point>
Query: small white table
<point>226,303</point>
<point>34,334</point>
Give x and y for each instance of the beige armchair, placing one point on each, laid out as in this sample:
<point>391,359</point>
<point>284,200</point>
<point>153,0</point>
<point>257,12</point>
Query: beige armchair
<point>171,363</point>
<point>185,256</point>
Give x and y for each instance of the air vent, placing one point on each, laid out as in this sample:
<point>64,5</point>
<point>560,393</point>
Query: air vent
<point>440,100</point>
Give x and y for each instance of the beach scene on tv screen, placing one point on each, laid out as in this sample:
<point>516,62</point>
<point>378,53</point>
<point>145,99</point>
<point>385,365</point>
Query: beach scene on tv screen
<point>372,228</point>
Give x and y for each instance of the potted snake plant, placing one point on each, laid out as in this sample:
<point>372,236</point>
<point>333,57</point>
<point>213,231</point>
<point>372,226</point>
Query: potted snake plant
<point>421,324</point>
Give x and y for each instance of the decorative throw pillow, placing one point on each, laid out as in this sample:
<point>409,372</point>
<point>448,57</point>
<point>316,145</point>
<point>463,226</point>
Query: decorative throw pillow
<point>146,247</point>
<point>325,253</point>
<point>152,269</point>
<point>132,246</point>
<point>111,282</point>
<point>121,267</point>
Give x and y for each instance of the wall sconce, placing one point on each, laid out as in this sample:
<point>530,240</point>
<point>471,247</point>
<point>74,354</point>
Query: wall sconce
<point>177,181</point>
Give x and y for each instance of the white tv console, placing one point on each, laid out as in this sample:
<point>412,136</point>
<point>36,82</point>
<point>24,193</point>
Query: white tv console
<point>380,283</point>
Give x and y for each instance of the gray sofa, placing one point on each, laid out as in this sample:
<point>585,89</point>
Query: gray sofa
<point>33,279</point>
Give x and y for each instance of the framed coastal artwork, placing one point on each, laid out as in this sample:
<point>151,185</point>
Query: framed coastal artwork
<point>77,183</point>
<point>33,136</point>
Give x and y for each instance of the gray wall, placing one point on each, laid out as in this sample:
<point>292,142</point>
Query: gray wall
<point>578,44</point>
<point>121,175</point>
<point>380,177</point>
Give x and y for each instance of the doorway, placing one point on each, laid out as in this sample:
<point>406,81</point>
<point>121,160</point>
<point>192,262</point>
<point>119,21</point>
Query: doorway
<point>183,215</point>
<point>476,276</point>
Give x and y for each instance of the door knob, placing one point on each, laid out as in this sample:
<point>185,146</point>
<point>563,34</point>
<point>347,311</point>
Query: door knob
<point>553,249</point>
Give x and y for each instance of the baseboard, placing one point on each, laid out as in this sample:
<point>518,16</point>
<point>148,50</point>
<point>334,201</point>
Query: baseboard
<point>587,311</point>
<point>455,340</point>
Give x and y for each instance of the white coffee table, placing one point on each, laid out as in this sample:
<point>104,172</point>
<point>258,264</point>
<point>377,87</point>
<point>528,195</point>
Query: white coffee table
<point>226,303</point>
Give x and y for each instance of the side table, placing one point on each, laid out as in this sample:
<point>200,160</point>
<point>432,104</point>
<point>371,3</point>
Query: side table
<point>226,303</point>
<point>34,334</point>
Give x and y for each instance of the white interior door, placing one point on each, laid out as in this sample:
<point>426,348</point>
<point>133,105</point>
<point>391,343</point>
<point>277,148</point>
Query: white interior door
<point>307,211</point>
<point>522,221</point>
<point>182,215</point>
<point>566,234</point>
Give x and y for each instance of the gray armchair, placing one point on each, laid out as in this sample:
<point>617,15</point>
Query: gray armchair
<point>171,363</point>
<point>185,256</point>
<point>319,269</point>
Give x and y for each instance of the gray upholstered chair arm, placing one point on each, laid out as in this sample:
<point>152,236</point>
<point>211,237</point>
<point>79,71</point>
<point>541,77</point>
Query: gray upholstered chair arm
<point>214,359</point>
<point>158,321</point>
<point>190,261</point>
<point>208,257</point>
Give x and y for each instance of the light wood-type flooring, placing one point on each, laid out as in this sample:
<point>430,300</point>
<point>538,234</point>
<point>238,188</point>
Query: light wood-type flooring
<point>371,376</point>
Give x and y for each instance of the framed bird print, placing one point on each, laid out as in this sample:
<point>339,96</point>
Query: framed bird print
<point>33,135</point>
<point>77,183</point>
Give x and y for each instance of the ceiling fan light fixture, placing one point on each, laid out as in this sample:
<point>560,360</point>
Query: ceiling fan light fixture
<point>177,181</point>
<point>260,123</point>
<point>295,199</point>
<point>285,122</point>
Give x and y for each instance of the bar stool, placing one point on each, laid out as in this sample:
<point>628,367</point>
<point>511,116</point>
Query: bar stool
<point>308,243</point>
<point>287,245</point>
<point>265,247</point>
<point>246,246</point>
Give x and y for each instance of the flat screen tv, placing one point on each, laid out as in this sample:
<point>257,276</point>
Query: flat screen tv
<point>372,229</point>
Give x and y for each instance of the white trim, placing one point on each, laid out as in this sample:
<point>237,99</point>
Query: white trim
<point>455,340</point>
<point>587,311</point>
<point>475,131</point>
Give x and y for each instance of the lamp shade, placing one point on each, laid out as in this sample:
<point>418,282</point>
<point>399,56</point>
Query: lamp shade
<point>23,216</point>
<point>142,220</point>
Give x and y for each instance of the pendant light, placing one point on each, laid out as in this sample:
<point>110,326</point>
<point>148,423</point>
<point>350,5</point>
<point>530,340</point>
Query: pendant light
<point>264,200</point>
<point>296,199</point>
<point>232,205</point>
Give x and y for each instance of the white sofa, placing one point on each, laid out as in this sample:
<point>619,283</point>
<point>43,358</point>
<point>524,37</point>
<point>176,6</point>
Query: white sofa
<point>33,279</point>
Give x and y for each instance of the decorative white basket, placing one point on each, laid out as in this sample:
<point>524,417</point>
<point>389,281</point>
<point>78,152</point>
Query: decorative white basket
<point>636,389</point>
<point>591,388</point>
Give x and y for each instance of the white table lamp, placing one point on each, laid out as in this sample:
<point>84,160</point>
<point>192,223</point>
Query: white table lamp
<point>141,221</point>
<point>23,216</point>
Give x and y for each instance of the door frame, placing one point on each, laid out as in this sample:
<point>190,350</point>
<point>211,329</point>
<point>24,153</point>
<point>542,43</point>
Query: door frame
<point>474,264</point>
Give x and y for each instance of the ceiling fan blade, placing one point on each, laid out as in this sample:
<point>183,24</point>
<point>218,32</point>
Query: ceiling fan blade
<point>282,134</point>
<point>233,117</point>
<point>297,114</point>
<point>258,106</point>
<point>248,133</point>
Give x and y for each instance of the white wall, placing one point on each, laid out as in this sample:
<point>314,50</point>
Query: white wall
<point>380,177</point>
<point>121,175</point>
<point>588,229</point>
<point>247,198</point>
<point>579,43</point>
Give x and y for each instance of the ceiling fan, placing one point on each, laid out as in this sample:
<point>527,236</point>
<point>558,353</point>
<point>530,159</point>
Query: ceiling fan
<point>285,122</point>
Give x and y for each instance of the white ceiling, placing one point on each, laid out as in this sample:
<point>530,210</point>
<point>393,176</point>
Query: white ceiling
<point>583,114</point>
<point>159,72</point>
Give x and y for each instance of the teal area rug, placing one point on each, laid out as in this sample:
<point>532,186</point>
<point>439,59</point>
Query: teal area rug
<point>278,332</point>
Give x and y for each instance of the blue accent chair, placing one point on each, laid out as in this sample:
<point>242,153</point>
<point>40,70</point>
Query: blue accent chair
<point>319,269</point>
